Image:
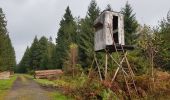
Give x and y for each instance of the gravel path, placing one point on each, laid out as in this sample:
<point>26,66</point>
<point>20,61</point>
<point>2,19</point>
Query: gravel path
<point>26,89</point>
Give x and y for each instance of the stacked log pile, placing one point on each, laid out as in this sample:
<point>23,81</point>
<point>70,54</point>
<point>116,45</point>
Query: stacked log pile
<point>40,74</point>
<point>5,75</point>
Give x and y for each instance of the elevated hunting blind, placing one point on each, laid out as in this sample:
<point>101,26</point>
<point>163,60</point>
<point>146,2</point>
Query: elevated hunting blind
<point>109,37</point>
<point>109,30</point>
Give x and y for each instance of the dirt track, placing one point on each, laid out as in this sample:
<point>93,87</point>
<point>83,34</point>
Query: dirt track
<point>26,89</point>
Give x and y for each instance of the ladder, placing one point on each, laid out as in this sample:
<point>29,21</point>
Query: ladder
<point>127,71</point>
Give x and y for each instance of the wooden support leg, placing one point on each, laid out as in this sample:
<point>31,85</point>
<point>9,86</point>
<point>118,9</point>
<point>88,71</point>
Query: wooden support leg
<point>106,66</point>
<point>90,68</point>
<point>98,69</point>
<point>115,74</point>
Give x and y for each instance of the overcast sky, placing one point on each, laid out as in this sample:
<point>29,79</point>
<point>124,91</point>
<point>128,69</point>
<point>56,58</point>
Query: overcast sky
<point>27,18</point>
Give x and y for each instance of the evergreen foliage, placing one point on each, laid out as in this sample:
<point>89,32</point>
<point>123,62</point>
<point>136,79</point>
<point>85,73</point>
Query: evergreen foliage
<point>75,48</point>
<point>86,43</point>
<point>7,53</point>
<point>24,64</point>
<point>130,24</point>
<point>38,57</point>
<point>109,8</point>
<point>51,54</point>
<point>163,58</point>
<point>35,54</point>
<point>43,54</point>
<point>66,35</point>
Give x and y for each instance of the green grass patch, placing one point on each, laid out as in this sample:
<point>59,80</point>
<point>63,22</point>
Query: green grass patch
<point>29,76</point>
<point>53,95</point>
<point>44,82</point>
<point>58,96</point>
<point>5,85</point>
<point>70,82</point>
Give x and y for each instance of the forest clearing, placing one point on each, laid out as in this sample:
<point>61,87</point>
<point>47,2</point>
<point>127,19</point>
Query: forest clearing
<point>108,54</point>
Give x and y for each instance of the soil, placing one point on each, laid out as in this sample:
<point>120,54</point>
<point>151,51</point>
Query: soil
<point>27,89</point>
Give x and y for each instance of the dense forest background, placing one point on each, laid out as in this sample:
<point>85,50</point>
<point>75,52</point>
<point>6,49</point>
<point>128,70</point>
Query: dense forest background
<point>77,34</point>
<point>7,53</point>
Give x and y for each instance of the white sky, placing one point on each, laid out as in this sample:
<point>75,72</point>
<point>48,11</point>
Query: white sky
<point>27,18</point>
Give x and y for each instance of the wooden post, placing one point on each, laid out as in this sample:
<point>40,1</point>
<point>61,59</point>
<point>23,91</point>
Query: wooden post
<point>106,66</point>
<point>90,69</point>
<point>98,68</point>
<point>152,65</point>
<point>115,74</point>
<point>73,60</point>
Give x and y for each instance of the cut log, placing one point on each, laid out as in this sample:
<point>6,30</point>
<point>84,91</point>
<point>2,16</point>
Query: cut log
<point>47,73</point>
<point>5,75</point>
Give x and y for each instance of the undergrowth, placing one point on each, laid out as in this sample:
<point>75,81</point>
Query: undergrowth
<point>5,85</point>
<point>90,88</point>
<point>58,96</point>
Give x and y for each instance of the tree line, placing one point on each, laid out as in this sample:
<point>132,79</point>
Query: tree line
<point>7,53</point>
<point>39,56</point>
<point>80,31</point>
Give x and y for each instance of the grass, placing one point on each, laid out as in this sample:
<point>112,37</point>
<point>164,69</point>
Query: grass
<point>67,81</point>
<point>5,85</point>
<point>44,82</point>
<point>53,95</point>
<point>58,96</point>
<point>29,76</point>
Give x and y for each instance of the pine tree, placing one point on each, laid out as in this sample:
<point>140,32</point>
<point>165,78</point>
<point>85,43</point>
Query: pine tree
<point>24,65</point>
<point>43,47</point>
<point>35,55</point>
<point>109,8</point>
<point>7,53</point>
<point>3,32</point>
<point>10,54</point>
<point>66,35</point>
<point>86,42</point>
<point>51,55</point>
<point>38,57</point>
<point>130,24</point>
<point>54,59</point>
<point>164,52</point>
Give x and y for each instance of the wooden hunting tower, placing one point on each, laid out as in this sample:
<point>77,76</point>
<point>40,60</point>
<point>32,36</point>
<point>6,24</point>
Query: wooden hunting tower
<point>109,30</point>
<point>109,38</point>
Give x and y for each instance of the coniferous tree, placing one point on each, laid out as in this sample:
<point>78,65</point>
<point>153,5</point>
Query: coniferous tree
<point>35,55</point>
<point>7,53</point>
<point>54,59</point>
<point>24,65</point>
<point>38,57</point>
<point>51,55</point>
<point>10,54</point>
<point>109,8</point>
<point>86,42</point>
<point>43,47</point>
<point>3,32</point>
<point>163,58</point>
<point>130,24</point>
<point>66,35</point>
